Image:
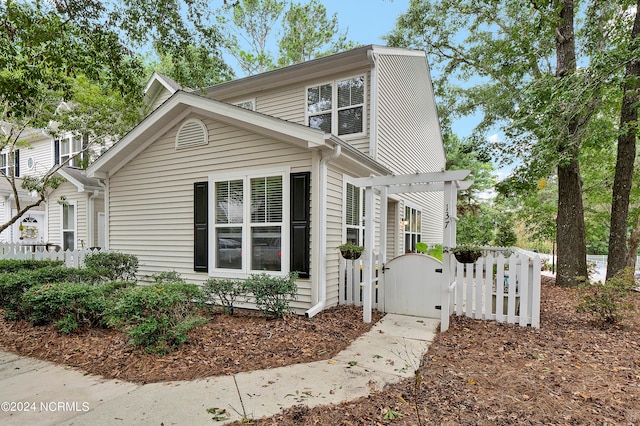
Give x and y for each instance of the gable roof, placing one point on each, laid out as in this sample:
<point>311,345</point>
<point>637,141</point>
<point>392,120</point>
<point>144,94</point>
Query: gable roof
<point>156,84</point>
<point>303,71</point>
<point>79,179</point>
<point>181,104</point>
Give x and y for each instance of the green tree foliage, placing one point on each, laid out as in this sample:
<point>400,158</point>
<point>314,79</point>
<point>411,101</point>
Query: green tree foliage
<point>308,32</point>
<point>196,68</point>
<point>251,26</point>
<point>524,57</point>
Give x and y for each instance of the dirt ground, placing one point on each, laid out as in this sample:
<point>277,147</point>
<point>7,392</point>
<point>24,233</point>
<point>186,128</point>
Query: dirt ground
<point>569,372</point>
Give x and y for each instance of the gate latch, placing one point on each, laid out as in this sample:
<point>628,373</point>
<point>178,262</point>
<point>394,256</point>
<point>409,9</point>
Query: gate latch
<point>384,268</point>
<point>439,270</point>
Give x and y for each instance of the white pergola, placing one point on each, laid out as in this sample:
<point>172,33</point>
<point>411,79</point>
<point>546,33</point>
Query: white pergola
<point>449,182</point>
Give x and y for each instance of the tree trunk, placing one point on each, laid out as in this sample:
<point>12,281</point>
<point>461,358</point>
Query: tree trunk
<point>624,164</point>
<point>571,234</point>
<point>634,242</point>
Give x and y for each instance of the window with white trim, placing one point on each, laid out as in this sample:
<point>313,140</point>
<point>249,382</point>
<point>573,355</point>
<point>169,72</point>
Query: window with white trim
<point>412,222</point>
<point>68,225</point>
<point>7,163</point>
<point>249,216</point>
<point>70,151</point>
<point>354,214</point>
<point>337,107</point>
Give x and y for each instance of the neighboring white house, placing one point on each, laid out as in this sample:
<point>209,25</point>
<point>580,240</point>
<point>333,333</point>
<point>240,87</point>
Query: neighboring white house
<point>72,216</point>
<point>255,175</point>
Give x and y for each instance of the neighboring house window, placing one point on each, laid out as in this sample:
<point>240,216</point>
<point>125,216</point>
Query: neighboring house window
<point>250,104</point>
<point>68,226</point>
<point>9,163</point>
<point>249,219</point>
<point>412,222</point>
<point>69,151</point>
<point>337,107</point>
<point>354,213</point>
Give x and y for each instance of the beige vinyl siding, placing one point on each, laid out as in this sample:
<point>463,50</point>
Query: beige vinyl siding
<point>98,207</point>
<point>335,221</point>
<point>289,103</point>
<point>4,205</point>
<point>151,197</point>
<point>71,194</point>
<point>408,137</point>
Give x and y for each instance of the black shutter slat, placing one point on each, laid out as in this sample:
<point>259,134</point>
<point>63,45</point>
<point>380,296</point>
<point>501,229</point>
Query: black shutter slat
<point>201,227</point>
<point>16,156</point>
<point>300,223</point>
<point>56,151</point>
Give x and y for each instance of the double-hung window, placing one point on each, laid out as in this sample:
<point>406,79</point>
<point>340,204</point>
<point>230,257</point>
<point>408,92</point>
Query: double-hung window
<point>7,163</point>
<point>69,151</point>
<point>68,226</point>
<point>412,228</point>
<point>354,214</point>
<point>337,107</point>
<point>249,231</point>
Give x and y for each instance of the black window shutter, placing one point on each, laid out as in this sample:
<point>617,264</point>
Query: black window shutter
<point>300,223</point>
<point>84,157</point>
<point>201,226</point>
<point>56,151</point>
<point>16,156</point>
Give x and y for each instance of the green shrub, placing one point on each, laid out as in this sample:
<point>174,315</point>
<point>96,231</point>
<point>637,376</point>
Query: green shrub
<point>608,302</point>
<point>167,277</point>
<point>16,265</point>
<point>225,292</point>
<point>159,316</point>
<point>273,295</point>
<point>14,285</point>
<point>113,266</point>
<point>68,305</point>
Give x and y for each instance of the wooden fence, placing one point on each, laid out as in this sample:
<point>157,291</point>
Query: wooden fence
<point>495,287</point>
<point>350,291</point>
<point>71,258</point>
<point>476,292</point>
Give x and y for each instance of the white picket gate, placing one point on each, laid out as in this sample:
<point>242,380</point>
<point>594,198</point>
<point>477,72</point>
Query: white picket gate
<point>71,258</point>
<point>499,288</point>
<point>475,289</point>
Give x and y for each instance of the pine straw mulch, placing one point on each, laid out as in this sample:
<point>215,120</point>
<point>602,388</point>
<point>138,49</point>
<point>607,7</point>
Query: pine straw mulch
<point>568,372</point>
<point>227,344</point>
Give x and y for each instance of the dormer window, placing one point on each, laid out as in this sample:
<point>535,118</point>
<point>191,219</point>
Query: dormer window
<point>337,107</point>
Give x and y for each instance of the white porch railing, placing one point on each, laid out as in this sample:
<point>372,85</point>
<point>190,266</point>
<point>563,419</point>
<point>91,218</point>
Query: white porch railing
<point>350,292</point>
<point>71,258</point>
<point>505,289</point>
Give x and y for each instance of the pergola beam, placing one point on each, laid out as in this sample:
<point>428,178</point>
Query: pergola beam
<point>448,176</point>
<point>427,187</point>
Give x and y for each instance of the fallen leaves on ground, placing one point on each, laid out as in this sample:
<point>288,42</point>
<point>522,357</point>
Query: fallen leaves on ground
<point>569,372</point>
<point>227,344</point>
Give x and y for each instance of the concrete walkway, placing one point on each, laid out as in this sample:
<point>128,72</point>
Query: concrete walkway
<point>34,392</point>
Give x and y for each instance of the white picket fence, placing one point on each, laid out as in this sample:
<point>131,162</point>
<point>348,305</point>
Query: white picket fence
<point>71,258</point>
<point>475,290</point>
<point>350,291</point>
<point>495,287</point>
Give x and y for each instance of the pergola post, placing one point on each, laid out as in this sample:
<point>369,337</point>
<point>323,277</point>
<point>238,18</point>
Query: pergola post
<point>369,241</point>
<point>448,241</point>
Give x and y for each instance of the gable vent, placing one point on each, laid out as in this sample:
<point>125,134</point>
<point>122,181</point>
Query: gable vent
<point>192,133</point>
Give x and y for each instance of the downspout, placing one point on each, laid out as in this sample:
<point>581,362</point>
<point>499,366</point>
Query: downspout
<point>322,264</point>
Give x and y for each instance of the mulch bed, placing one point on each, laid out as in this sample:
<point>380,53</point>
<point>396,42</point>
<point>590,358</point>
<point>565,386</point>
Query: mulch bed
<point>569,372</point>
<point>227,344</point>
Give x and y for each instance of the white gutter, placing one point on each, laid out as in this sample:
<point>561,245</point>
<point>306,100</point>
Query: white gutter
<point>322,264</point>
